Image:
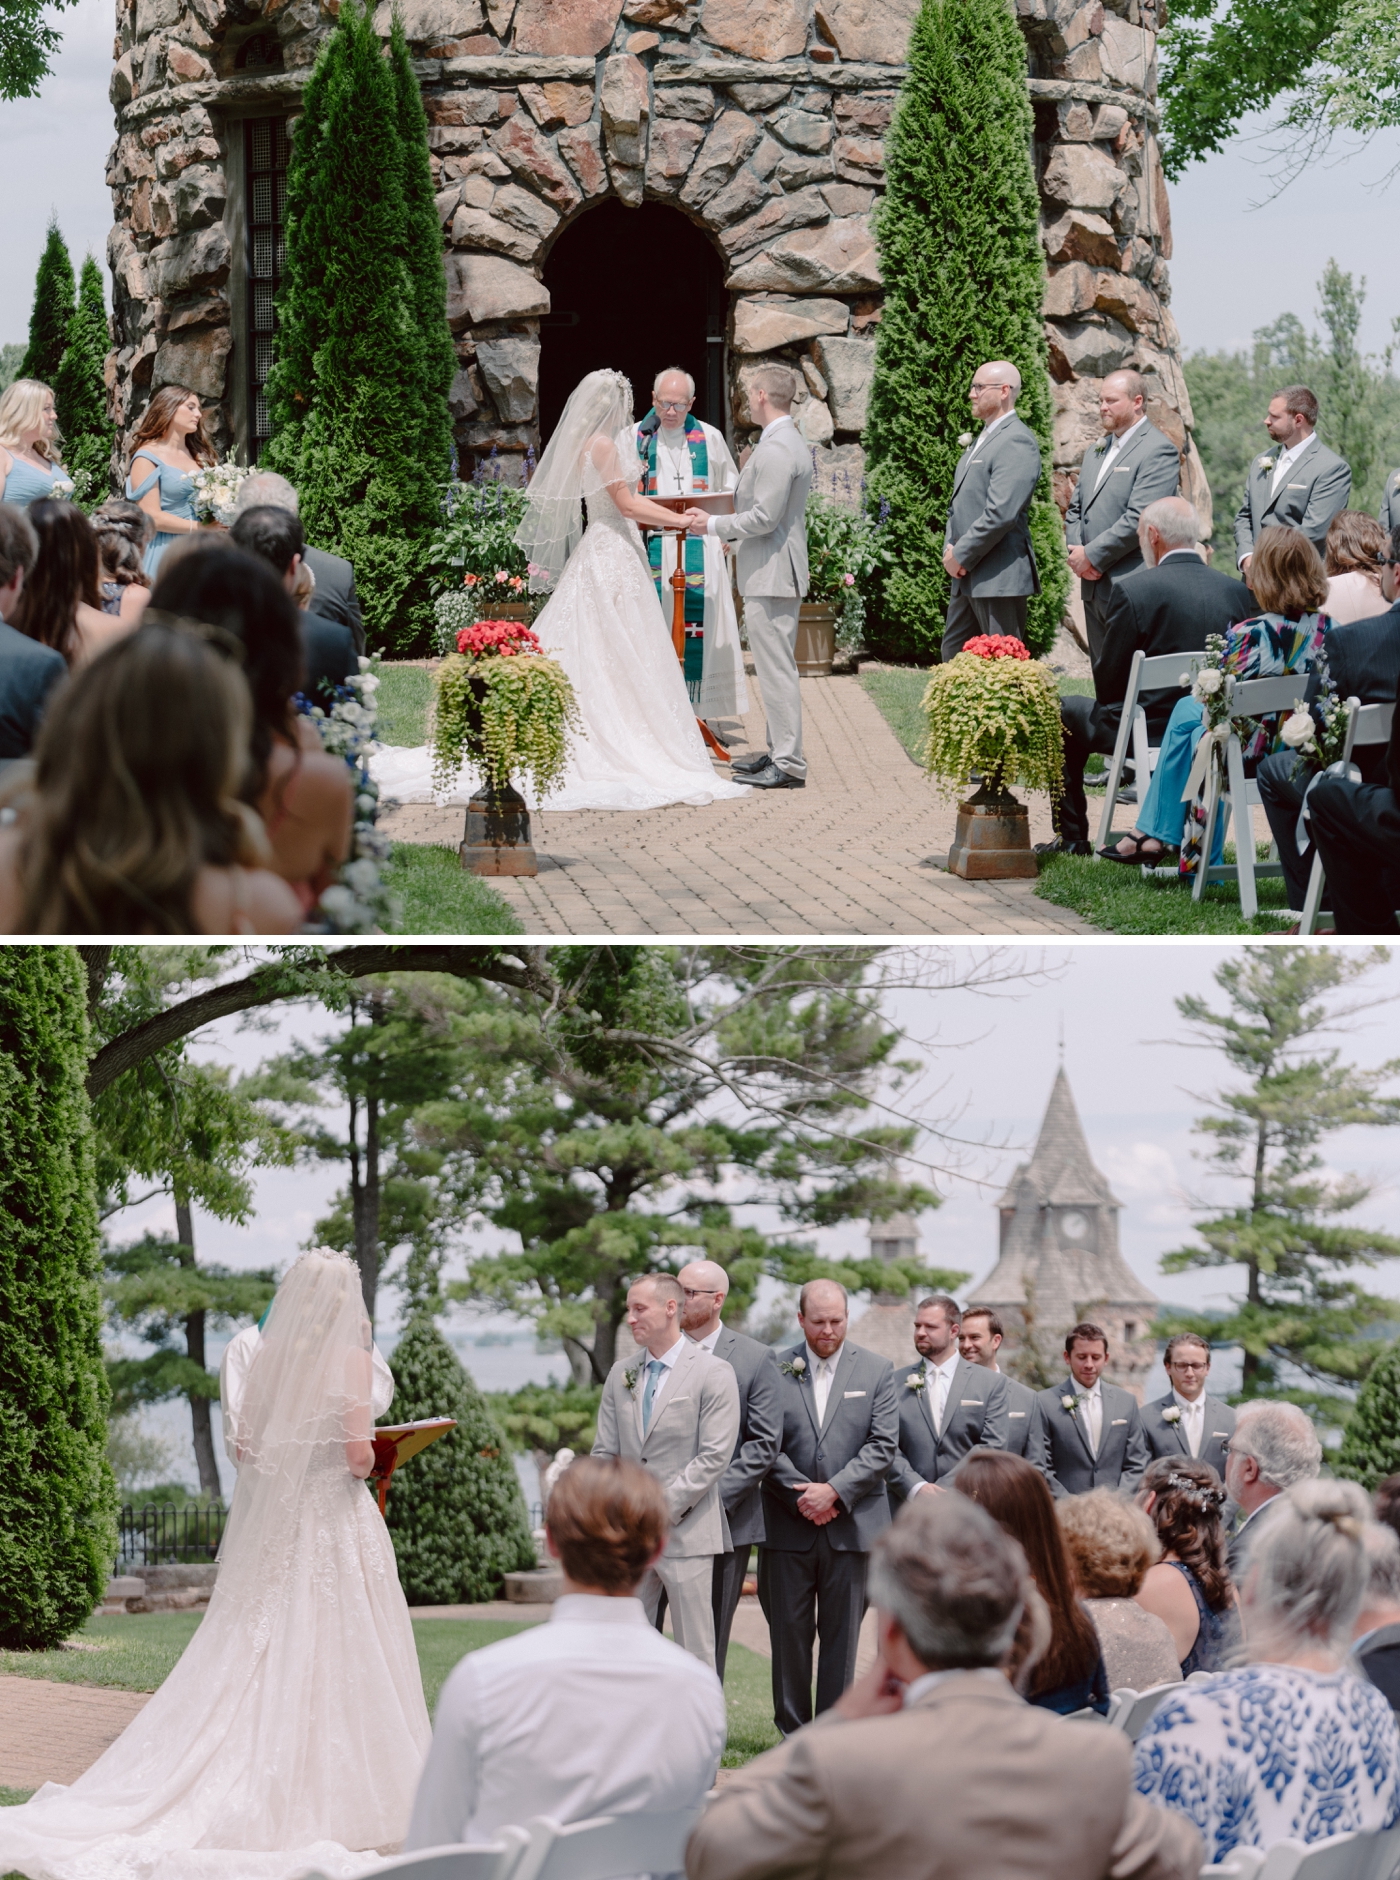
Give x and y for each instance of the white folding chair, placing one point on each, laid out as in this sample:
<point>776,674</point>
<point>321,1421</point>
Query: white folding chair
<point>1368,724</point>
<point>489,1860</point>
<point>1119,1702</point>
<point>1144,675</point>
<point>1248,698</point>
<point>1243,1864</point>
<point>607,1847</point>
<point>1133,1717</point>
<point>1383,1855</point>
<point>1340,1857</point>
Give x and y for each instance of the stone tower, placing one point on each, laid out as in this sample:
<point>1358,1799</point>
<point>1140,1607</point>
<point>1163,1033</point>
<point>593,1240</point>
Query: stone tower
<point>886,1327</point>
<point>633,183</point>
<point>1059,1251</point>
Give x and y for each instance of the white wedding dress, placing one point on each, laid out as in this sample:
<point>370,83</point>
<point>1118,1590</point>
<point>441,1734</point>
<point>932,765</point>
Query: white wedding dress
<point>640,747</point>
<point>291,1734</point>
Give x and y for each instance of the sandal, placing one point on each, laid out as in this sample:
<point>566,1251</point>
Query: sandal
<point>1137,853</point>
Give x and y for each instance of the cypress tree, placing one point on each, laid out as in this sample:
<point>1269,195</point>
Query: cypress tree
<point>80,391</point>
<point>57,1496</point>
<point>1370,1448</point>
<point>422,233</point>
<point>456,1514</point>
<point>958,233</point>
<point>347,391</point>
<point>54,295</point>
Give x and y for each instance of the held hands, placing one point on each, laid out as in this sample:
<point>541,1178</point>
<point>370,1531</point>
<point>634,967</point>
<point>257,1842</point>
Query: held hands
<point>696,521</point>
<point>818,1502</point>
<point>952,564</point>
<point>1082,566</point>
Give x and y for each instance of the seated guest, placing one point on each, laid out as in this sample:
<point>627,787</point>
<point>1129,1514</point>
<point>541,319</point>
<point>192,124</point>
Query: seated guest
<point>592,1713</point>
<point>1356,827</point>
<point>133,824</point>
<point>1111,1545</point>
<point>302,794</point>
<point>1285,574</point>
<point>28,671</point>
<point>1274,1447</point>
<point>931,1767</point>
<point>1293,1747</point>
<point>123,532</point>
<point>1070,1676</point>
<point>1189,1589</point>
<point>334,596</point>
<point>328,650</point>
<point>1356,544</point>
<point>61,606</point>
<point>1168,605</point>
<point>1375,1632</point>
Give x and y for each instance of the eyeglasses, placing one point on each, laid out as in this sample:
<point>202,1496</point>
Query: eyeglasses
<point>673,404</point>
<point>702,1292</point>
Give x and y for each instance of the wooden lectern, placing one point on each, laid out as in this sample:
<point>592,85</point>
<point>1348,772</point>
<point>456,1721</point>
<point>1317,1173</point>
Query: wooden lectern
<point>714,503</point>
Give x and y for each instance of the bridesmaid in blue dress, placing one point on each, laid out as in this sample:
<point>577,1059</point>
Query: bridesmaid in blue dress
<point>29,468</point>
<point>169,447</point>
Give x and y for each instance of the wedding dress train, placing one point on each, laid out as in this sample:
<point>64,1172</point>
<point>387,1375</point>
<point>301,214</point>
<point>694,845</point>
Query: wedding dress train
<point>291,1734</point>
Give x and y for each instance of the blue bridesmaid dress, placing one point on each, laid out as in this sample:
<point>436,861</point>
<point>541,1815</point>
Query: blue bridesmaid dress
<point>26,484</point>
<point>176,499</point>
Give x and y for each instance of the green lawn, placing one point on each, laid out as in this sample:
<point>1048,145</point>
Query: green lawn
<point>11,1798</point>
<point>748,1697</point>
<point>1122,900</point>
<point>440,896</point>
<point>131,1653</point>
<point>403,699</point>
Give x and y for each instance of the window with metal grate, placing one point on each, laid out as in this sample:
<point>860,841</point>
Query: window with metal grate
<point>266,150</point>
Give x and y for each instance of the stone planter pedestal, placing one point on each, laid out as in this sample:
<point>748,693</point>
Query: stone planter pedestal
<point>509,610</point>
<point>497,837</point>
<point>816,640</point>
<point>992,841</point>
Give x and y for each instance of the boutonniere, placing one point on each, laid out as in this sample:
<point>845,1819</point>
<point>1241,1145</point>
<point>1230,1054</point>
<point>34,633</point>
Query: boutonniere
<point>1070,1402</point>
<point>1171,1416</point>
<point>1265,463</point>
<point>964,438</point>
<point>915,1381</point>
<point>1102,446</point>
<point>794,1367</point>
<point>629,1378</point>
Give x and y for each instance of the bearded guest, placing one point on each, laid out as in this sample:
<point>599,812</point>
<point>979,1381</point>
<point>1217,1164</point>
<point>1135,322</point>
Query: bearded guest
<point>683,456</point>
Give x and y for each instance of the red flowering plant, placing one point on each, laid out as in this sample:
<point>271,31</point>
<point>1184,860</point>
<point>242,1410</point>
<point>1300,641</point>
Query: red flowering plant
<point>488,637</point>
<point>996,646</point>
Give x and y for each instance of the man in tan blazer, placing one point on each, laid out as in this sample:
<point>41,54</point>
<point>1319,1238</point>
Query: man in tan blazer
<point>931,1767</point>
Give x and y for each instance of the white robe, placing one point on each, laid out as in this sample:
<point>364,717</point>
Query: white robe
<point>723,693</point>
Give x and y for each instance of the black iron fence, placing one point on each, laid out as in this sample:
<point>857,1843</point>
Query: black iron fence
<point>160,1535</point>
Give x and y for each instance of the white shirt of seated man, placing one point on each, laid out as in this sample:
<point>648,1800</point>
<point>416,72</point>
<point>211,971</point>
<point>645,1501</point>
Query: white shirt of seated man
<point>593,1713</point>
<point>723,693</point>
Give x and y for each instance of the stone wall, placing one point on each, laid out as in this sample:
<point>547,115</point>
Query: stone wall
<point>761,120</point>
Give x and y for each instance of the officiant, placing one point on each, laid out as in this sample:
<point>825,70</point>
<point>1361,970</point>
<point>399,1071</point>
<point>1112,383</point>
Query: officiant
<point>681,456</point>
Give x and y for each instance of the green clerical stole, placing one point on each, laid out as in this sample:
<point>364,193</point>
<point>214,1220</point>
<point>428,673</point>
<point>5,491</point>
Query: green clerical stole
<point>694,550</point>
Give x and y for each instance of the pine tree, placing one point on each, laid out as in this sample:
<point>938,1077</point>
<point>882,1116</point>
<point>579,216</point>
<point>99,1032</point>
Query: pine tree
<point>1370,1448</point>
<point>80,390</point>
<point>959,243</point>
<point>349,385</point>
<point>456,1514</point>
<point>57,1496</point>
<point>54,295</point>
<point>422,233</point>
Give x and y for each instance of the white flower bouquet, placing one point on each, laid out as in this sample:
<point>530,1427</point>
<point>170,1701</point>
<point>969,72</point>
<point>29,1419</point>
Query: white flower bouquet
<point>360,901</point>
<point>216,491</point>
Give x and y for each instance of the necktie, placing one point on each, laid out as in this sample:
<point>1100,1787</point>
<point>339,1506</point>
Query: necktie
<point>1086,1412</point>
<point>940,1398</point>
<point>1194,1418</point>
<point>1280,472</point>
<point>821,1390</point>
<point>655,1367</point>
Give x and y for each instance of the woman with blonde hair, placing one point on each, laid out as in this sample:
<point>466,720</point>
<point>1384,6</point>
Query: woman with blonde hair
<point>133,824</point>
<point>29,465</point>
<point>1354,541</point>
<point>1112,1547</point>
<point>170,445</point>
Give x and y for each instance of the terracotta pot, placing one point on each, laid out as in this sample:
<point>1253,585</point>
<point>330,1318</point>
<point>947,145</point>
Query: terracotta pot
<point>508,610</point>
<point>992,841</point>
<point>816,639</point>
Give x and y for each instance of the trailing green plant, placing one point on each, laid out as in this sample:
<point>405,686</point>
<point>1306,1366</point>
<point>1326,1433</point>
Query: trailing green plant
<point>959,241</point>
<point>512,715</point>
<point>843,551</point>
<point>80,392</point>
<point>55,297</point>
<point>996,716</point>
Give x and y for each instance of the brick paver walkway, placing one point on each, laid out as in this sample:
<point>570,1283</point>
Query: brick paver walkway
<point>52,1732</point>
<point>859,851</point>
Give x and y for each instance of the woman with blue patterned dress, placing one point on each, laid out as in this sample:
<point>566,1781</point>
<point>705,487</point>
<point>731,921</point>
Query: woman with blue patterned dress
<point>1293,1747</point>
<point>169,448</point>
<point>29,466</point>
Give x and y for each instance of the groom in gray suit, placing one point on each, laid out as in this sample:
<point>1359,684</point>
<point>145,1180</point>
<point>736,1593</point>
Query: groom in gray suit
<point>675,1410</point>
<point>987,539</point>
<point>1299,484</point>
<point>770,526</point>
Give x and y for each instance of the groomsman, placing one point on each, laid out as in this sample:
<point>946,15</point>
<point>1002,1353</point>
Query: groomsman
<point>755,1366</point>
<point>1187,1422</point>
<point>1300,484</point>
<point>1131,466</point>
<point>979,1341</point>
<point>946,1405</point>
<point>987,539</point>
<point>1085,1433</point>
<point>675,1410</point>
<point>824,1503</point>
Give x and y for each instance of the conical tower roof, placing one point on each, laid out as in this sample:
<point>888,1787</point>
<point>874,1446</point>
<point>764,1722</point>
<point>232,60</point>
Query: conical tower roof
<point>1061,1169</point>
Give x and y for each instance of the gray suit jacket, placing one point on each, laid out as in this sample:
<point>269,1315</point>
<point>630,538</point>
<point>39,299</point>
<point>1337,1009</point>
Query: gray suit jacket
<point>1315,489</point>
<point>852,1450</point>
<point>987,524</point>
<point>28,674</point>
<point>1168,1439</point>
<point>1059,1449</point>
<point>1390,502</point>
<point>1102,517</point>
<point>688,1446</point>
<point>770,516</point>
<point>755,1368</point>
<point>334,597</point>
<point>974,1415</point>
<point>1020,1413</point>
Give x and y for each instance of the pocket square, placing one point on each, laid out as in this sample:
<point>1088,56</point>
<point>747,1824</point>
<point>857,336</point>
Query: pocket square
<point>853,1393</point>
<point>1224,1435</point>
<point>1295,486</point>
<point>1016,1413</point>
<point>971,1403</point>
<point>1116,1421</point>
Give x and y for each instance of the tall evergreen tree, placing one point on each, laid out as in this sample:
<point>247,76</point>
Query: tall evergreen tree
<point>347,391</point>
<point>54,297</point>
<point>422,233</point>
<point>57,1496</point>
<point>80,390</point>
<point>959,241</point>
<point>1370,1448</point>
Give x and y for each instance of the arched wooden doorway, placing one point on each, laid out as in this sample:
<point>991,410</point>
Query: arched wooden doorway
<point>638,290</point>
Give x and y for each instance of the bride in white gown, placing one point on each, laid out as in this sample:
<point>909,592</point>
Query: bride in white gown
<point>292,1731</point>
<point>641,747</point>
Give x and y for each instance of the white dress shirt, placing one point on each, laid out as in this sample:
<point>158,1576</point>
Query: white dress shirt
<point>821,1371</point>
<point>938,1381</point>
<point>1286,460</point>
<point>1193,1416</point>
<point>710,1340</point>
<point>931,1679</point>
<point>1091,1411</point>
<point>987,429</point>
<point>1115,445</point>
<point>591,1713</point>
